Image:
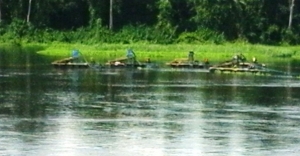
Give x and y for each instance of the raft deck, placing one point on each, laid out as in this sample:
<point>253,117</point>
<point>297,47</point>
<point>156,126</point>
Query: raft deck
<point>123,65</point>
<point>228,69</point>
<point>69,62</point>
<point>184,63</point>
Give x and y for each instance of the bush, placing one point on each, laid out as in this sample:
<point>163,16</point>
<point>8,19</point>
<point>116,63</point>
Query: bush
<point>201,36</point>
<point>289,37</point>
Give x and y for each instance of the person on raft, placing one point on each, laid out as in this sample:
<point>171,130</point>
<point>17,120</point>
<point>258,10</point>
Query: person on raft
<point>237,59</point>
<point>191,57</point>
<point>75,55</point>
<point>131,58</point>
<point>254,59</point>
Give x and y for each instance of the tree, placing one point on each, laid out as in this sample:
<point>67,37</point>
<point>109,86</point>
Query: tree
<point>0,11</point>
<point>291,2</point>
<point>111,15</point>
<point>220,16</point>
<point>134,12</point>
<point>29,11</point>
<point>165,14</point>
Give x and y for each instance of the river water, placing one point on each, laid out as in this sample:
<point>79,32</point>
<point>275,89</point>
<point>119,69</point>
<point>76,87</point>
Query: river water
<point>131,112</point>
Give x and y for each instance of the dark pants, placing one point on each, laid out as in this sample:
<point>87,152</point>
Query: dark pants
<point>130,61</point>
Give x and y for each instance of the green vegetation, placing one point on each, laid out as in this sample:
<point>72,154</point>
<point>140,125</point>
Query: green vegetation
<point>163,53</point>
<point>157,29</point>
<point>272,22</point>
<point>44,54</point>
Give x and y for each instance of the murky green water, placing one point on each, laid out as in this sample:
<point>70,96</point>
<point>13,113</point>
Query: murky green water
<point>147,112</point>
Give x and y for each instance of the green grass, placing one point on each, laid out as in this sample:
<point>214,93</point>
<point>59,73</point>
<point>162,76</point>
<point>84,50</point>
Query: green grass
<point>101,53</point>
<point>43,54</point>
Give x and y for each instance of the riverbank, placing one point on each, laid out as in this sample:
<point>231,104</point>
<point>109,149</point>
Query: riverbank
<point>101,53</point>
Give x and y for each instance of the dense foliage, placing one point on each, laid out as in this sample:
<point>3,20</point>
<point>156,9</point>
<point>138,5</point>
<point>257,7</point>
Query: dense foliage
<point>152,21</point>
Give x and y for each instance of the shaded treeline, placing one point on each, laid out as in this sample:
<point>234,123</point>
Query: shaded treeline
<point>155,21</point>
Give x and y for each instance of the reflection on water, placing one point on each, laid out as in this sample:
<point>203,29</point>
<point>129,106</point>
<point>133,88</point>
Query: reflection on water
<point>147,112</point>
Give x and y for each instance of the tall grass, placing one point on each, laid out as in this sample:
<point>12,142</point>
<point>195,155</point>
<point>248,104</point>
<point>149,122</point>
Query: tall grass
<point>163,53</point>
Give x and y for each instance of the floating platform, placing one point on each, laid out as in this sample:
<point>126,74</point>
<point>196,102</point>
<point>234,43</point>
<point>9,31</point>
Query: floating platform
<point>123,63</point>
<point>183,63</point>
<point>70,62</point>
<point>228,69</point>
<point>73,65</point>
<point>243,67</point>
<point>187,65</point>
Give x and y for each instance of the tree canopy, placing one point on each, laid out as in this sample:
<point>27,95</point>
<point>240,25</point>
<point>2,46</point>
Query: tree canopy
<point>160,21</point>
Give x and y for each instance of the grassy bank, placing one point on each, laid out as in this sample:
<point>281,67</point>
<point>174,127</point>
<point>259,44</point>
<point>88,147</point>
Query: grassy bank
<point>162,53</point>
<point>36,54</point>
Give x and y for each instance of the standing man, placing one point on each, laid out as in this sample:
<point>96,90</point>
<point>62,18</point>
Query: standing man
<point>191,57</point>
<point>131,58</point>
<point>75,55</point>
